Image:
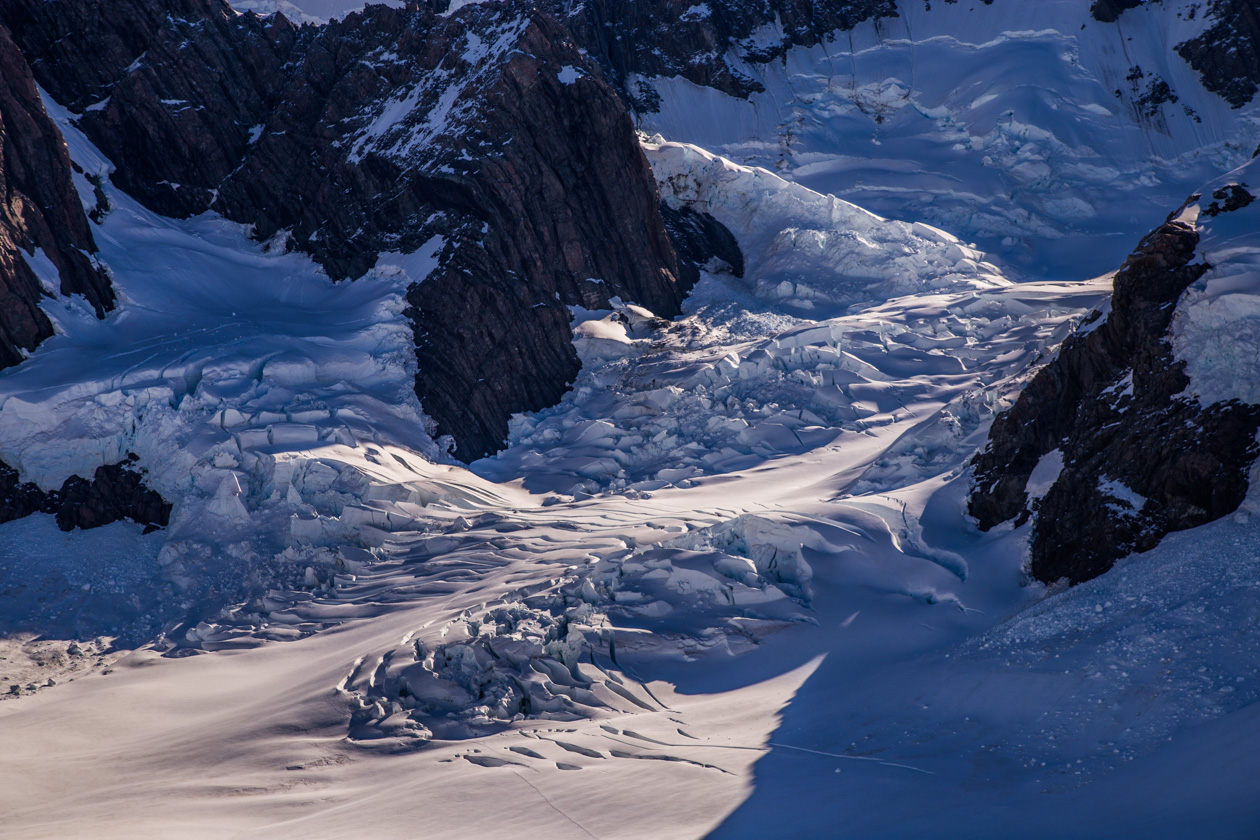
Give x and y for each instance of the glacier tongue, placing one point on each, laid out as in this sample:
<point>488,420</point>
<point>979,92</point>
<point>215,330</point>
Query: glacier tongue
<point>843,326</point>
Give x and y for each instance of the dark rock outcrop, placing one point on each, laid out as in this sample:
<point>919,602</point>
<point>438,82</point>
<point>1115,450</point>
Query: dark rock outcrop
<point>1108,11</point>
<point>1140,457</point>
<point>702,240</point>
<point>39,209</point>
<point>683,38</point>
<point>169,90</point>
<point>512,149</point>
<point>1227,54</point>
<point>116,491</point>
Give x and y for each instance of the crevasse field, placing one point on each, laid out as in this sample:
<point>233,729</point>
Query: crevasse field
<point>727,585</point>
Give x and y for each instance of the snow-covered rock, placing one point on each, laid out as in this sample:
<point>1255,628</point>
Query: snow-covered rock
<point>1151,408</point>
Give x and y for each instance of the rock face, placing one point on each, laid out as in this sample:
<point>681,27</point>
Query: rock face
<point>532,175</point>
<point>1108,11</point>
<point>492,137</point>
<point>41,218</point>
<point>702,240</point>
<point>1136,456</point>
<point>167,90</point>
<point>115,492</point>
<point>488,128</point>
<point>1227,54</point>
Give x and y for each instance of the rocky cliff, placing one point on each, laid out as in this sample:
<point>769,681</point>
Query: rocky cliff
<point>508,145</point>
<point>1226,54</point>
<point>169,91</point>
<point>1110,447</point>
<point>41,218</point>
<point>487,128</point>
<point>45,249</point>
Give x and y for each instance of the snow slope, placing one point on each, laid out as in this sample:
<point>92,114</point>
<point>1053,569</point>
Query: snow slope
<point>244,380</point>
<point>726,585</point>
<point>1029,128</point>
<point>1216,329</point>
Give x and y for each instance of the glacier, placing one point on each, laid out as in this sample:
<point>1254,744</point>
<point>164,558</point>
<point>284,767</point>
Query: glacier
<point>727,586</point>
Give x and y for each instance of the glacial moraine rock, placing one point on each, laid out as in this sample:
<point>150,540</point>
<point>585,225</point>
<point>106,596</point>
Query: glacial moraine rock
<point>1136,455</point>
<point>41,216</point>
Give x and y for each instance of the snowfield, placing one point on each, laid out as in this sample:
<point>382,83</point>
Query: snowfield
<point>727,585</point>
<point>1051,139</point>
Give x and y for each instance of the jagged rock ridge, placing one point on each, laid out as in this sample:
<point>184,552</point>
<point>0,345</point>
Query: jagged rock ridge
<point>167,90</point>
<point>40,215</point>
<point>1137,455</point>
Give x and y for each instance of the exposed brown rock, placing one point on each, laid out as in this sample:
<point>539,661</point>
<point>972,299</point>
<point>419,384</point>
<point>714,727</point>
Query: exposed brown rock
<point>39,208</point>
<point>1112,401</point>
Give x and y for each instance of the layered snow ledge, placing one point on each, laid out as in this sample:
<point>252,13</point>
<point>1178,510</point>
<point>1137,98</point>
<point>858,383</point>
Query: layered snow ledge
<point>814,253</point>
<point>1216,328</point>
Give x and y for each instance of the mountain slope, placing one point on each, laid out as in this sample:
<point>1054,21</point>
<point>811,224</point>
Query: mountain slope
<point>1050,139</point>
<point>729,583</point>
<point>373,135</point>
